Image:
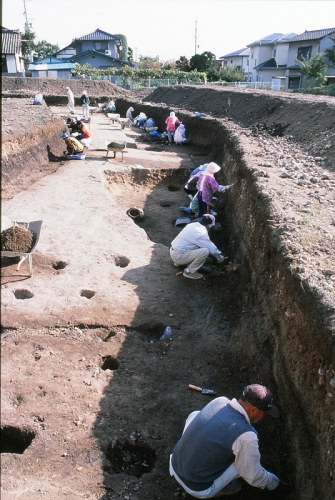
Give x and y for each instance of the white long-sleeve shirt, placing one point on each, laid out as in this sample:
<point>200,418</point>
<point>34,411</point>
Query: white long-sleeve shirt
<point>194,236</point>
<point>70,95</point>
<point>247,456</point>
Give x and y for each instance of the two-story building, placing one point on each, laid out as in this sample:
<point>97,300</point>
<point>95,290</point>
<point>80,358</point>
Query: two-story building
<point>100,49</point>
<point>12,61</point>
<point>268,59</point>
<point>238,60</point>
<point>306,46</point>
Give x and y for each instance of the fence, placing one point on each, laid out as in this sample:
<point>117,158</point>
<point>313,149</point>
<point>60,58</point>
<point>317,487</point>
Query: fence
<point>130,84</point>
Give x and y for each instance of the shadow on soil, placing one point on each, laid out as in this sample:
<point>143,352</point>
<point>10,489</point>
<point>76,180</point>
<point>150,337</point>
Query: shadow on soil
<point>204,349</point>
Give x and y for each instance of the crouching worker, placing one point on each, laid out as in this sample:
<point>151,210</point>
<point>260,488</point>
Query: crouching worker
<point>219,445</point>
<point>73,146</point>
<point>84,135</point>
<point>192,247</point>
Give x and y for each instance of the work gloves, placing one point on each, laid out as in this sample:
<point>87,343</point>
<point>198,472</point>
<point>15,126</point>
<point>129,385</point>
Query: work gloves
<point>273,481</point>
<point>220,258</point>
<point>224,188</point>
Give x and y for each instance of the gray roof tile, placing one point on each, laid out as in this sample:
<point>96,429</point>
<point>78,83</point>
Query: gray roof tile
<point>10,41</point>
<point>97,35</point>
<point>312,35</point>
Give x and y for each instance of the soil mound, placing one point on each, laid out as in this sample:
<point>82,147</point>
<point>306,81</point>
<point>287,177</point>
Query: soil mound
<point>48,86</point>
<point>17,239</point>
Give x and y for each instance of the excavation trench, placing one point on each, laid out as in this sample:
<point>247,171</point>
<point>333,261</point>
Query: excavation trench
<point>277,324</point>
<point>255,321</point>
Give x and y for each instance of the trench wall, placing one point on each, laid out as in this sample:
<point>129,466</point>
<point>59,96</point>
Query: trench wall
<point>289,322</point>
<point>28,156</point>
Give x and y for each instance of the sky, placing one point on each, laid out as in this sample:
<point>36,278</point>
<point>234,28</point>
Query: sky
<point>169,28</point>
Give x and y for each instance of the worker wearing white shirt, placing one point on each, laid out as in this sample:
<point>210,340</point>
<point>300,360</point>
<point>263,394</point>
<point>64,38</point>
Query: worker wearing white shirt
<point>70,103</point>
<point>219,445</point>
<point>192,247</point>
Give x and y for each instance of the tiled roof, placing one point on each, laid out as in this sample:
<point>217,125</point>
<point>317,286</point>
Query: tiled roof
<point>274,38</point>
<point>10,41</point>
<point>270,63</point>
<point>87,52</point>
<point>267,39</point>
<point>312,35</point>
<point>241,52</point>
<point>97,35</point>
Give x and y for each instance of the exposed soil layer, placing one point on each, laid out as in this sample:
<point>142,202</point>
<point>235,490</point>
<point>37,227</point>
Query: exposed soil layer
<point>89,391</point>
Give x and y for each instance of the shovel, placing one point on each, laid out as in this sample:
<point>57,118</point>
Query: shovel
<point>199,389</point>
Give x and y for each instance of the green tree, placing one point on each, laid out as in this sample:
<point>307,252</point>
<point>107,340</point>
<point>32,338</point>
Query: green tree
<point>130,56</point>
<point>204,62</point>
<point>43,49</point>
<point>124,45</point>
<point>28,43</point>
<point>330,53</point>
<point>146,62</point>
<point>168,65</point>
<point>183,64</point>
<point>232,74</point>
<point>313,69</point>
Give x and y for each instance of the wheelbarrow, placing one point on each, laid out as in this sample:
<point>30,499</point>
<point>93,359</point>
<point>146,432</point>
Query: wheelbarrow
<point>115,147</point>
<point>35,226</point>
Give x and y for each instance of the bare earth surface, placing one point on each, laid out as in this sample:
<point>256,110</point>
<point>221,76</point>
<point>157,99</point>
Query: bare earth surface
<point>90,393</point>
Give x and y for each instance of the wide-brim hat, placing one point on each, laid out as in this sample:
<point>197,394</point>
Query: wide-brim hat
<point>212,168</point>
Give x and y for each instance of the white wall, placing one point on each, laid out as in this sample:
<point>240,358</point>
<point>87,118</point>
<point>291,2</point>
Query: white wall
<point>11,64</point>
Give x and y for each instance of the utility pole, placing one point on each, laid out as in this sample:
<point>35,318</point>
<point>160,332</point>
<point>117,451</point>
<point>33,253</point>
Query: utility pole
<point>26,14</point>
<point>196,37</point>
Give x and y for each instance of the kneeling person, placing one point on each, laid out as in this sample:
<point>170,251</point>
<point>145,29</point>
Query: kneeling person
<point>192,247</point>
<point>219,445</point>
<point>73,146</point>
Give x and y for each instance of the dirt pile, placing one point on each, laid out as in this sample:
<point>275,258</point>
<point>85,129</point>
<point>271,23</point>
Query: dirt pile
<point>57,87</point>
<point>17,239</point>
<point>307,120</point>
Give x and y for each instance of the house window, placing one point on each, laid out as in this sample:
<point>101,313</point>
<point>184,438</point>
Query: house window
<point>252,54</point>
<point>304,53</point>
<point>294,82</point>
<point>231,61</point>
<point>101,46</point>
<point>274,52</point>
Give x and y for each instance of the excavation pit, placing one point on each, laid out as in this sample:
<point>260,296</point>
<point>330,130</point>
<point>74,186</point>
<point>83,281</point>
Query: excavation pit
<point>15,440</point>
<point>58,266</point>
<point>88,294</point>
<point>110,363</point>
<point>131,457</point>
<point>23,294</point>
<point>121,261</point>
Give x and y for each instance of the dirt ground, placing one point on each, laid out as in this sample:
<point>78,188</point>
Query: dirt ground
<point>92,400</point>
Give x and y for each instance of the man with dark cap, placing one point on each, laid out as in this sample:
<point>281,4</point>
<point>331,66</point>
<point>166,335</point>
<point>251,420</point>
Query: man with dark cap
<point>192,247</point>
<point>219,445</point>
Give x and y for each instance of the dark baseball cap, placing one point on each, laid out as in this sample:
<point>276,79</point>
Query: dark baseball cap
<point>260,397</point>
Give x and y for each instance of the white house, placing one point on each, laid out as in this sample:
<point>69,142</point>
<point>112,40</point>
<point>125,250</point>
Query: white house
<point>238,59</point>
<point>268,59</point>
<point>306,46</point>
<point>12,61</point>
